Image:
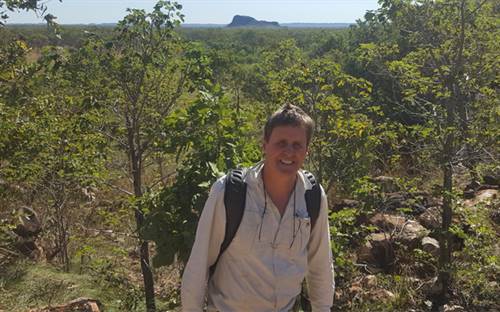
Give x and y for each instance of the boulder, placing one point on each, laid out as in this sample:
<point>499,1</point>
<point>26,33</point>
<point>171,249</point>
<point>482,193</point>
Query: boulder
<point>378,252</point>
<point>386,222</point>
<point>415,202</point>
<point>380,295</point>
<point>431,246</point>
<point>28,247</point>
<point>482,196</point>
<point>473,185</point>
<point>408,232</point>
<point>395,200</point>
<point>488,187</point>
<point>346,203</point>
<point>386,184</point>
<point>451,308</point>
<point>486,194</point>
<point>432,287</point>
<point>491,180</point>
<point>77,305</point>
<point>495,215</point>
<point>431,218</point>
<point>411,233</point>
<point>369,281</point>
<point>29,224</point>
<point>469,194</point>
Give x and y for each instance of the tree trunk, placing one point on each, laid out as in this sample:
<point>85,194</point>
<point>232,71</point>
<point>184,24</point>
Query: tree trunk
<point>445,237</point>
<point>147,273</point>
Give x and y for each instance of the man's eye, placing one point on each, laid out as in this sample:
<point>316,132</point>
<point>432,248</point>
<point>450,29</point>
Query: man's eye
<point>297,146</point>
<point>282,144</point>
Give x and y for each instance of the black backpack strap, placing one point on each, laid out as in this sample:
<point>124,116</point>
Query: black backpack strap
<point>313,198</point>
<point>234,202</point>
<point>313,203</point>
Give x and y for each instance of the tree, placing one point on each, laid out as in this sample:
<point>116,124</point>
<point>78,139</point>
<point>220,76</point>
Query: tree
<point>49,149</point>
<point>209,138</point>
<point>143,71</point>
<point>341,150</point>
<point>36,6</point>
<point>441,66</point>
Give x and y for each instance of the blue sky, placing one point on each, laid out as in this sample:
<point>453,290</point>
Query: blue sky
<point>207,11</point>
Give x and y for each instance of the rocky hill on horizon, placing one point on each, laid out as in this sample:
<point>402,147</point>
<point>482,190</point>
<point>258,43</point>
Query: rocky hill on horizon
<point>247,21</point>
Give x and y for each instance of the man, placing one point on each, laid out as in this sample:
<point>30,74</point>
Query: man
<point>275,246</point>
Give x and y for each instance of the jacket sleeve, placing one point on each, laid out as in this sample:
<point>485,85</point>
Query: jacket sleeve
<point>320,274</point>
<point>209,237</point>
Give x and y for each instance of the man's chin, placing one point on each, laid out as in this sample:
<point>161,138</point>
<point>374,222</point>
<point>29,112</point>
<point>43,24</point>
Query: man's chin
<point>287,169</point>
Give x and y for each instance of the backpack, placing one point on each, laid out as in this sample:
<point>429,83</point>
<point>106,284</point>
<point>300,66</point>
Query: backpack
<point>234,202</point>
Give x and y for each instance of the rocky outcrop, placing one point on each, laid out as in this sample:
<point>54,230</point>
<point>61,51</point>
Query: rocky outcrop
<point>386,184</point>
<point>346,203</point>
<point>431,246</point>
<point>408,232</point>
<point>26,232</point>
<point>452,308</point>
<point>367,289</point>
<point>431,218</point>
<point>482,196</point>
<point>490,182</point>
<point>77,305</point>
<point>377,252</point>
<point>247,21</point>
<point>29,224</point>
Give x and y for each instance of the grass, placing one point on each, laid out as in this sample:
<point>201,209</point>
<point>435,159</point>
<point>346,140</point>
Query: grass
<point>28,285</point>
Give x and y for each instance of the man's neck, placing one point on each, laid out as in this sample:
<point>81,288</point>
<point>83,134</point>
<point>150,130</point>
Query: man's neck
<point>279,187</point>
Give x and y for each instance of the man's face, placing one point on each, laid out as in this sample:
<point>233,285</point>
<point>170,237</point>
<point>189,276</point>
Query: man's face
<point>286,150</point>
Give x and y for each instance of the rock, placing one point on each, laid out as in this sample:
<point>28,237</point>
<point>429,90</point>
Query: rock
<point>405,231</point>
<point>411,233</point>
<point>482,196</point>
<point>474,185</point>
<point>346,203</point>
<point>434,202</point>
<point>495,215</point>
<point>247,21</point>
<point>487,194</point>
<point>451,308</point>
<point>488,187</point>
<point>355,289</point>
<point>378,251</point>
<point>77,305</point>
<point>386,222</point>
<point>28,247</point>
<point>29,225</point>
<point>432,287</point>
<point>431,246</point>
<point>468,194</point>
<point>395,200</point>
<point>380,295</point>
<point>418,209</point>
<point>369,281</point>
<point>386,184</point>
<point>491,180</point>
<point>431,218</point>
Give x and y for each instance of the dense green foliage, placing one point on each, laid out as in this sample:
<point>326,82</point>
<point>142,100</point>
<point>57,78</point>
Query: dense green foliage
<point>122,130</point>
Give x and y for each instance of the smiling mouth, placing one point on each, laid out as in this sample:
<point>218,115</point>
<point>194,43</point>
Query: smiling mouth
<point>286,162</point>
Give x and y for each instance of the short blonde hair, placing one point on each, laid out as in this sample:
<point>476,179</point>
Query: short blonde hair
<point>289,115</point>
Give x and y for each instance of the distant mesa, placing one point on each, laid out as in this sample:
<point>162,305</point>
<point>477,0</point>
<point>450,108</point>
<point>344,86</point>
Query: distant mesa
<point>247,21</point>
